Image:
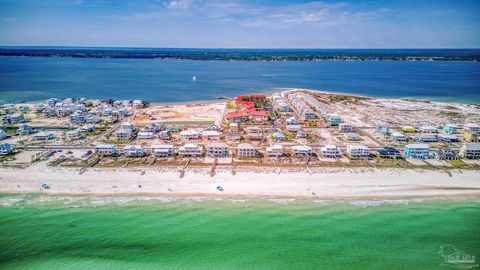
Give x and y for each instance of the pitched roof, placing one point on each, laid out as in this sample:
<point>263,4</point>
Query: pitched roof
<point>235,115</point>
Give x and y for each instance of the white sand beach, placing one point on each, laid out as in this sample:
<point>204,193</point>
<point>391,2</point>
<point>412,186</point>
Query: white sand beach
<point>259,182</point>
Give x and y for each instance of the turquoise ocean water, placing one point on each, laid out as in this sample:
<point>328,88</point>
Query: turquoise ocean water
<point>39,232</point>
<point>39,78</point>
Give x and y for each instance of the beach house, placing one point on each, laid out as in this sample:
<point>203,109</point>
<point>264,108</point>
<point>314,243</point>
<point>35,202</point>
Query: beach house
<point>426,138</point>
<point>448,138</point>
<point>146,135</point>
<point>275,150</point>
<point>278,136</point>
<point>134,151</point>
<point>3,134</point>
<point>258,116</point>
<point>471,137</point>
<point>470,150</point>
<point>233,137</point>
<point>333,119</point>
<point>291,121</point>
<point>283,107</point>
<point>428,129</point>
<point>73,135</point>
<point>189,134</point>
<point>301,134</point>
<point>164,135</point>
<point>211,135</point>
<point>235,117</point>
<point>246,150</point>
<point>123,134</point>
<point>303,150</point>
<point>163,150</point>
<point>330,151</point>
<point>416,151</point>
<point>450,128</point>
<point>358,151</point>
<point>383,129</point>
<point>351,136</point>
<point>6,149</point>
<point>398,137</point>
<point>190,150</point>
<point>87,128</point>
<point>43,136</point>
<point>448,154</point>
<point>127,125</point>
<point>389,152</point>
<point>345,128</point>
<point>106,149</point>
<point>14,118</point>
<point>472,128</point>
<point>233,127</point>
<point>254,133</point>
<point>218,149</point>
<point>409,129</point>
<point>293,128</point>
<point>78,118</point>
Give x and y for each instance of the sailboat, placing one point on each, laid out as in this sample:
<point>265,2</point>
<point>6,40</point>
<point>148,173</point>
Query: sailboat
<point>194,78</point>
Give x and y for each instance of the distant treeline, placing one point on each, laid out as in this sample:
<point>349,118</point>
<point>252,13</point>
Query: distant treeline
<point>251,54</point>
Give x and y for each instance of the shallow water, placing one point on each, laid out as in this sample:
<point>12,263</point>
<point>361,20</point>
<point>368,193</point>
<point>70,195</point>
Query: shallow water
<point>42,232</point>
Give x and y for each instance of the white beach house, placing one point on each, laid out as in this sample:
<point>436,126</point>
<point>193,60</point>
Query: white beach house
<point>218,149</point>
<point>345,128</point>
<point>211,135</point>
<point>330,151</point>
<point>189,134</point>
<point>275,150</point>
<point>162,150</point>
<point>123,134</point>
<point>146,135</point>
<point>134,151</point>
<point>246,150</point>
<point>470,151</point>
<point>358,151</point>
<point>106,149</point>
<point>302,150</point>
<point>190,150</point>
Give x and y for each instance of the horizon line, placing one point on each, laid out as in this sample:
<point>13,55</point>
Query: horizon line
<point>239,48</point>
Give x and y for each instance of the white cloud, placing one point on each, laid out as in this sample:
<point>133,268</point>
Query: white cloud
<point>179,4</point>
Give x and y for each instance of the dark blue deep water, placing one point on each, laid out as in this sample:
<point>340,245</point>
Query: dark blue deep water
<point>38,78</point>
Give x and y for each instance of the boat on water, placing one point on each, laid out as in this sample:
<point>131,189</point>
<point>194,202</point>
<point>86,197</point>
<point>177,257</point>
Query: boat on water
<point>194,78</point>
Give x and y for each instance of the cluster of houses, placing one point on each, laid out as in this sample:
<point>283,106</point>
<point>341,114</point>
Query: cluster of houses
<point>428,134</point>
<point>246,110</point>
<point>299,106</point>
<point>333,119</point>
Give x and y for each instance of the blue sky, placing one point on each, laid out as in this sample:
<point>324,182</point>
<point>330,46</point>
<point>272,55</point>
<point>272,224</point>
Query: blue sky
<point>241,23</point>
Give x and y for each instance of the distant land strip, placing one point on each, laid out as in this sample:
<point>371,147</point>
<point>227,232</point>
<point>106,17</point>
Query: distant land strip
<point>250,54</point>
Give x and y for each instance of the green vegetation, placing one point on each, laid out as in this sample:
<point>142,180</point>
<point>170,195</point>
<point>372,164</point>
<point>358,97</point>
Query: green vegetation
<point>342,98</point>
<point>93,133</point>
<point>116,141</point>
<point>459,163</point>
<point>229,105</point>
